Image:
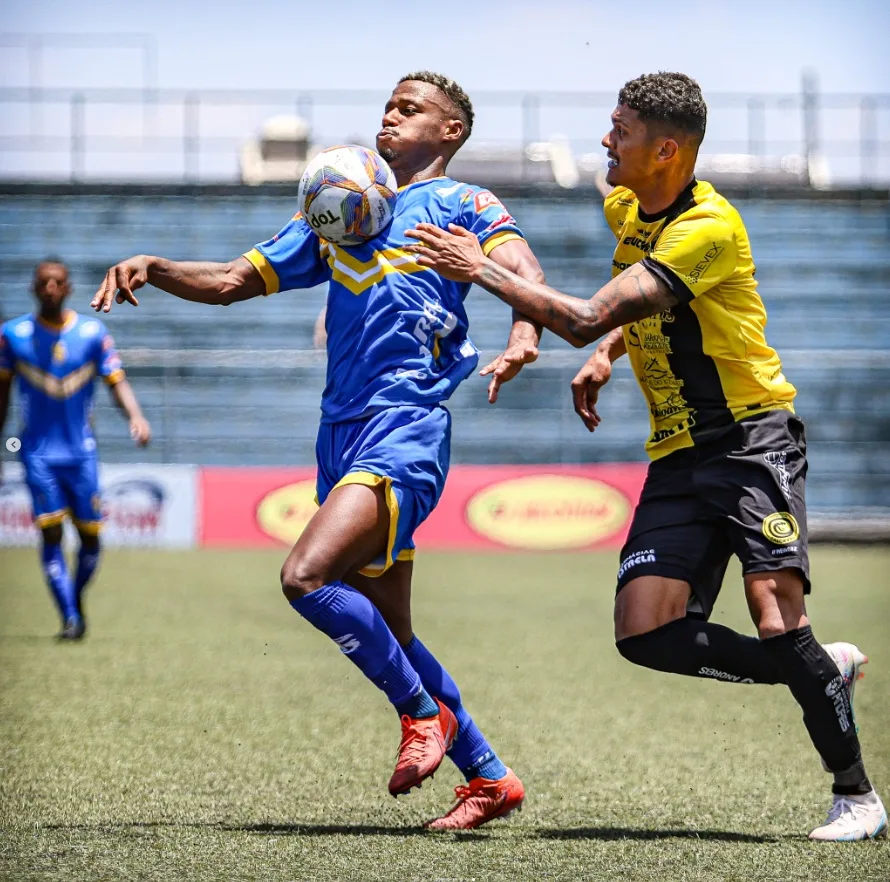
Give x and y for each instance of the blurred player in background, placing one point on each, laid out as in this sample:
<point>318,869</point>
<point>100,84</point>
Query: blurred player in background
<point>55,356</point>
<point>728,451</point>
<point>397,347</point>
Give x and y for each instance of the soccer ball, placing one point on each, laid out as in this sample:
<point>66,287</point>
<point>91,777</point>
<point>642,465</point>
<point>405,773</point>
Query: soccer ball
<point>347,194</point>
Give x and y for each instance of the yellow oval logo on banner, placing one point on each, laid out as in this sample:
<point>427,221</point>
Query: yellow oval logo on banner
<point>284,513</point>
<point>548,512</point>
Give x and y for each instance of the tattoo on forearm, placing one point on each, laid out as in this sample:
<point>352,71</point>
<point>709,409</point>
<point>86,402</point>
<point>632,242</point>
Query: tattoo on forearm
<point>634,295</point>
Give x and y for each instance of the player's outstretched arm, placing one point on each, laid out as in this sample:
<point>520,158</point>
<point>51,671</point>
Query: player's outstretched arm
<point>125,398</point>
<point>218,284</point>
<point>633,295</point>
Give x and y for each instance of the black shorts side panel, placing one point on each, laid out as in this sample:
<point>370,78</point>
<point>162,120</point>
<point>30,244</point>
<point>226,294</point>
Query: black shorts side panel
<point>758,491</point>
<point>672,535</point>
<point>742,495</point>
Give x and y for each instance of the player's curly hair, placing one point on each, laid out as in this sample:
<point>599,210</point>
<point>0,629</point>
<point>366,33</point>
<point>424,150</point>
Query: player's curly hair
<point>669,100</point>
<point>455,94</point>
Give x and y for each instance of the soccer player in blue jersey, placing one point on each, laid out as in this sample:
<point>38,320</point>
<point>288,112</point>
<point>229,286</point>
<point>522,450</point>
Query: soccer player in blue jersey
<point>397,347</point>
<point>55,356</point>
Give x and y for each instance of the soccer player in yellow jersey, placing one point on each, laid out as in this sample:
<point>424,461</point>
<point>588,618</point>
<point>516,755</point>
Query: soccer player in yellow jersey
<point>728,452</point>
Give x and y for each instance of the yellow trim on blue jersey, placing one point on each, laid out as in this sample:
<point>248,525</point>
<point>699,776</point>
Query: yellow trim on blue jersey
<point>5,373</point>
<point>51,518</point>
<point>265,269</point>
<point>358,275</point>
<point>115,377</point>
<point>59,388</point>
<point>498,239</point>
<point>69,319</point>
<point>91,528</point>
<point>368,479</point>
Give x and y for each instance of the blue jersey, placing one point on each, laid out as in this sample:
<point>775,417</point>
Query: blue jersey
<point>54,368</point>
<point>397,331</point>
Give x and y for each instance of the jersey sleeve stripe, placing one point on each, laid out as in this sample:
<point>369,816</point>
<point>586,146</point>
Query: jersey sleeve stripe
<point>498,239</point>
<point>265,269</point>
<point>5,373</point>
<point>115,377</point>
<point>678,287</point>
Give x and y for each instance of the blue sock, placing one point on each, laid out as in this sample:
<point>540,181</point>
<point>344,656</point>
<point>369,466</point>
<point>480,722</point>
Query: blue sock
<point>471,753</point>
<point>87,561</point>
<point>56,571</point>
<point>356,626</point>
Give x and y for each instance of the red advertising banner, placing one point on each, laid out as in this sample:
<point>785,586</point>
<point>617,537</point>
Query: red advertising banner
<point>483,507</point>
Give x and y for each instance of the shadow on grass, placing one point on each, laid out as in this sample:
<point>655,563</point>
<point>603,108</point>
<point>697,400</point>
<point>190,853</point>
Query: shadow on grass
<point>270,829</point>
<point>603,834</point>
<point>342,830</point>
<point>617,833</point>
<point>38,638</point>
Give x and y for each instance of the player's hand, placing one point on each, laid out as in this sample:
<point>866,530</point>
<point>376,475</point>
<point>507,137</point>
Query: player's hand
<point>586,388</point>
<point>140,431</point>
<point>507,365</point>
<point>120,282</point>
<point>457,254</point>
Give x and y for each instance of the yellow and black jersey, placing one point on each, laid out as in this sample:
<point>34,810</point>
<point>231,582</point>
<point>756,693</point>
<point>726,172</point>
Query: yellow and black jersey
<point>705,363</point>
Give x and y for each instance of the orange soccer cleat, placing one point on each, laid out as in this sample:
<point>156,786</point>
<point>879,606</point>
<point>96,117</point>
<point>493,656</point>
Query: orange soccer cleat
<point>422,749</point>
<point>481,801</point>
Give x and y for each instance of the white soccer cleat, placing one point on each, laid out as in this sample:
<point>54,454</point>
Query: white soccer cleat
<point>852,818</point>
<point>849,660</point>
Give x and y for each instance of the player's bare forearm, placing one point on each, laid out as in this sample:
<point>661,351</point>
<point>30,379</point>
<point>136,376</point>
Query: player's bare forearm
<point>613,345</point>
<point>633,295</point>
<point>218,284</point>
<point>125,398</point>
<point>516,256</point>
<point>204,282</point>
<point>523,332</point>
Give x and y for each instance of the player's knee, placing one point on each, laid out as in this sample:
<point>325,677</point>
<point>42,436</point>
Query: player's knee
<point>645,650</point>
<point>300,577</point>
<point>89,543</point>
<point>638,613</point>
<point>52,535</point>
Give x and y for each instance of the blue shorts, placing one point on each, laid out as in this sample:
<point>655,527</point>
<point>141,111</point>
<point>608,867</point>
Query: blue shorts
<point>57,490</point>
<point>407,449</point>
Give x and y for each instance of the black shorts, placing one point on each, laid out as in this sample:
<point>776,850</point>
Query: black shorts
<point>741,494</point>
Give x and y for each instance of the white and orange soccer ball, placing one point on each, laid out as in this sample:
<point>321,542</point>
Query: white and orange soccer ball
<point>347,194</point>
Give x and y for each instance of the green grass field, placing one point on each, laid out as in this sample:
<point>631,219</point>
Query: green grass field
<point>204,731</point>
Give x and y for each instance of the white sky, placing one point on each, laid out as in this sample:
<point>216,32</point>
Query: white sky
<point>728,45</point>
